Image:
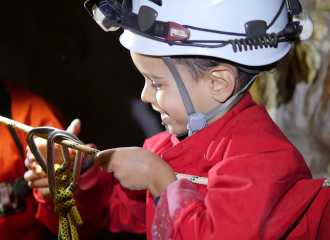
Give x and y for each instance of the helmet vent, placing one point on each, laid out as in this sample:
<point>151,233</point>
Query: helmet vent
<point>158,2</point>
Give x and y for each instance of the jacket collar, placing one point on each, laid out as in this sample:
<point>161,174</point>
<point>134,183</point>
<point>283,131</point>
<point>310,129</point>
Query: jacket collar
<point>190,150</point>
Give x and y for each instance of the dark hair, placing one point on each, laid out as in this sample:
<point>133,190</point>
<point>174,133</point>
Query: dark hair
<point>198,65</point>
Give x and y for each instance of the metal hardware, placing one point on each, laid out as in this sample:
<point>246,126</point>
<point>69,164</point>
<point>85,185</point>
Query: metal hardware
<point>49,167</point>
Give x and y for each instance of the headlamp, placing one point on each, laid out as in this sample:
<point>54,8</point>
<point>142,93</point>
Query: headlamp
<point>107,14</point>
<point>110,15</point>
<point>306,24</point>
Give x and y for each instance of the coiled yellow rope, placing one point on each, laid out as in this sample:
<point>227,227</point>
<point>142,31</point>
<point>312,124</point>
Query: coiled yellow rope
<point>65,206</point>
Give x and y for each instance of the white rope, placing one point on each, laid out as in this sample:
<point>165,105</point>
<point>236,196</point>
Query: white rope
<point>204,180</point>
<point>326,183</point>
<point>193,179</point>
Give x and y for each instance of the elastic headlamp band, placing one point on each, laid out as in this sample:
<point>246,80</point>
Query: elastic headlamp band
<point>145,24</point>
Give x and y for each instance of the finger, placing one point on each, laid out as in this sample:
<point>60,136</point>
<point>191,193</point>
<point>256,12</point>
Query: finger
<point>106,167</point>
<point>74,127</point>
<point>104,156</point>
<point>31,175</point>
<point>27,163</point>
<point>30,165</point>
<point>31,160</point>
<point>38,170</point>
<point>39,183</point>
<point>29,156</point>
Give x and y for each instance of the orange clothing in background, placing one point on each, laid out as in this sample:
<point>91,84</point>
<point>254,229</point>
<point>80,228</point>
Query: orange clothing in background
<point>31,110</point>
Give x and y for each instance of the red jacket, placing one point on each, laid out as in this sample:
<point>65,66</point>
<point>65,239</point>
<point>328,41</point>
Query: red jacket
<point>31,110</point>
<point>259,186</point>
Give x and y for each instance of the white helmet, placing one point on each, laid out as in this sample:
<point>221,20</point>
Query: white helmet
<point>253,34</point>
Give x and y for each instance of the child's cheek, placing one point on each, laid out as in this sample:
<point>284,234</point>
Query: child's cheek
<point>163,100</point>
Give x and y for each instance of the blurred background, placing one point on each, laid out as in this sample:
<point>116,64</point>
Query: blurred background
<point>55,49</point>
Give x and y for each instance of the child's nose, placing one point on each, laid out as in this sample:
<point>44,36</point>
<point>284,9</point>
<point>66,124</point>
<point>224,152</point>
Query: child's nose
<point>148,94</point>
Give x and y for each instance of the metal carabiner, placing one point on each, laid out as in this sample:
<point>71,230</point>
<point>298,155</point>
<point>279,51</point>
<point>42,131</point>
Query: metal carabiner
<point>48,168</point>
<point>50,160</point>
<point>33,147</point>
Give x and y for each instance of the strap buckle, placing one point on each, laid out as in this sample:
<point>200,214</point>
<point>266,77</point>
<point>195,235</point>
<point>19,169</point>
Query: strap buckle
<point>196,122</point>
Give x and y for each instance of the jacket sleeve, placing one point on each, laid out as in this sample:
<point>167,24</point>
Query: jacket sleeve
<point>102,201</point>
<point>257,196</point>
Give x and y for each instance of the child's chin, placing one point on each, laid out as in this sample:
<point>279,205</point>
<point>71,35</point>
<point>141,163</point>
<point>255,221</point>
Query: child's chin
<point>177,132</point>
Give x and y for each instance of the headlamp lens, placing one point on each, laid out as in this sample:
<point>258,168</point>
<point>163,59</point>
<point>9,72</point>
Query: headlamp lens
<point>97,14</point>
<point>105,13</point>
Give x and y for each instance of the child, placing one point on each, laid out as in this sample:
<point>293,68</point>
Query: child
<point>196,77</point>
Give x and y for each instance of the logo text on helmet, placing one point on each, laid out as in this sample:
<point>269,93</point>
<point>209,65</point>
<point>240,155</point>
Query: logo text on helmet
<point>177,32</point>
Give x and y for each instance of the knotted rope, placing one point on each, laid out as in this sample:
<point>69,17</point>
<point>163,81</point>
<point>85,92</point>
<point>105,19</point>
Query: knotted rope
<point>65,206</point>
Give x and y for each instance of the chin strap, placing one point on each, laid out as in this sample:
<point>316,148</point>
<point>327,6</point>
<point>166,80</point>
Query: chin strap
<point>182,88</point>
<point>211,114</point>
<point>197,121</point>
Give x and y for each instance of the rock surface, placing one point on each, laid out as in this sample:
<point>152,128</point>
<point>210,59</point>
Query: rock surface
<point>297,95</point>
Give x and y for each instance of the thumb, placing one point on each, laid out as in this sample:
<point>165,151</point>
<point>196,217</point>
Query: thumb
<point>104,156</point>
<point>74,127</point>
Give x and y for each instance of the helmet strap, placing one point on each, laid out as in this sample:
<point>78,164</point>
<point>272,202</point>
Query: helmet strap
<point>211,114</point>
<point>182,89</point>
<point>197,121</point>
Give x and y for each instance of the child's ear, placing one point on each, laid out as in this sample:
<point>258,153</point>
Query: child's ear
<point>222,82</point>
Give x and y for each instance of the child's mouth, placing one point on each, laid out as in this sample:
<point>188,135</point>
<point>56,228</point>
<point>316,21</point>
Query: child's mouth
<point>164,116</point>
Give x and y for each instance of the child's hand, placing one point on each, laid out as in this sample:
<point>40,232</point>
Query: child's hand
<point>39,181</point>
<point>137,169</point>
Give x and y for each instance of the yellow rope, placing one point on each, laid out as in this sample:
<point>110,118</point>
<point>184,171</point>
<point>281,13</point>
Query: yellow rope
<point>65,206</point>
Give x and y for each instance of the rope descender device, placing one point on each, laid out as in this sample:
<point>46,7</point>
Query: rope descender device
<point>59,178</point>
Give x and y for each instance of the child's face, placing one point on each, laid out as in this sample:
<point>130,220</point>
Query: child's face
<point>161,91</point>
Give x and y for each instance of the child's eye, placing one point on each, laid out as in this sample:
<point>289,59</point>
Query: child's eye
<point>155,85</point>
